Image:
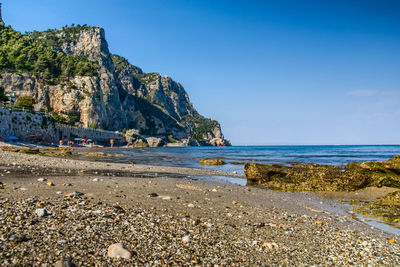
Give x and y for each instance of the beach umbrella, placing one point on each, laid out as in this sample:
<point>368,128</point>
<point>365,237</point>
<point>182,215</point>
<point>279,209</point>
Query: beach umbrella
<point>12,138</point>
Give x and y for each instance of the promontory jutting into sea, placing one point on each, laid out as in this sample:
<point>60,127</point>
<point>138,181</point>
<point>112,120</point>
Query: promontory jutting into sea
<point>104,164</point>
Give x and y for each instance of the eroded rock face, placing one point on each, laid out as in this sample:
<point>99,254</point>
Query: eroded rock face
<point>313,177</point>
<point>155,142</point>
<point>120,96</point>
<point>131,136</point>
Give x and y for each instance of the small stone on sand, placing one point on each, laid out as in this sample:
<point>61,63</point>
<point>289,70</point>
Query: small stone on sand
<point>118,251</point>
<point>41,212</point>
<point>186,239</point>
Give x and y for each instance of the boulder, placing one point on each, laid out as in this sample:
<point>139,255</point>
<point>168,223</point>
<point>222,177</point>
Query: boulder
<point>191,142</point>
<point>385,208</point>
<point>314,177</point>
<point>155,141</point>
<point>220,142</point>
<point>131,136</point>
<point>140,142</point>
<point>212,162</point>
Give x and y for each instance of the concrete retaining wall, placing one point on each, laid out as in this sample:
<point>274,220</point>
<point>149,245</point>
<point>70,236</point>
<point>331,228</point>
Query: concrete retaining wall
<point>23,125</point>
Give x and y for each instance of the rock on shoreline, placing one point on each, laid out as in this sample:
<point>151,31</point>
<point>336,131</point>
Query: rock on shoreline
<point>314,177</point>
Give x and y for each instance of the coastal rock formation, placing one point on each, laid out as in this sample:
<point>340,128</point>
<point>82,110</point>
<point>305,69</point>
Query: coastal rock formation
<point>313,177</point>
<point>155,142</point>
<point>212,162</point>
<point>88,86</point>
<point>386,208</point>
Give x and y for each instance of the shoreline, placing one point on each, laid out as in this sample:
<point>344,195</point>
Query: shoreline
<point>226,224</point>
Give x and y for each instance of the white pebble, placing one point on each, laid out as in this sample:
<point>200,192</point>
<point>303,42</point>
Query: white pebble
<point>166,198</point>
<point>118,251</point>
<point>186,239</point>
<point>41,212</point>
<point>190,205</point>
<point>42,180</point>
<point>95,179</point>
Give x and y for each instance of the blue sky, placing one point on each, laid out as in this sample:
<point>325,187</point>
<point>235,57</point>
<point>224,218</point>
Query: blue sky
<point>271,72</point>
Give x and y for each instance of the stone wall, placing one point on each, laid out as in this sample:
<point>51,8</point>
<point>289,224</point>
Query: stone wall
<point>23,125</point>
<point>99,136</point>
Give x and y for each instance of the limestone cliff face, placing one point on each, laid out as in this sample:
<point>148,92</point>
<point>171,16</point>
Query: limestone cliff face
<point>119,96</point>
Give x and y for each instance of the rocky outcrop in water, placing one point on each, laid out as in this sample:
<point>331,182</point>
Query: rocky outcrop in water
<point>118,96</point>
<point>313,177</point>
<point>386,208</point>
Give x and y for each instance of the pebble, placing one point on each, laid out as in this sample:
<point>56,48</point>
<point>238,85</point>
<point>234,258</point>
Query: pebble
<point>41,212</point>
<point>58,192</point>
<point>95,179</point>
<point>271,245</point>
<point>166,198</point>
<point>190,205</point>
<point>118,251</point>
<point>75,194</point>
<point>64,263</point>
<point>42,180</point>
<point>50,183</point>
<point>186,239</point>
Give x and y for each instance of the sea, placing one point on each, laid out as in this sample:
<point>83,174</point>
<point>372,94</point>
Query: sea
<point>282,154</point>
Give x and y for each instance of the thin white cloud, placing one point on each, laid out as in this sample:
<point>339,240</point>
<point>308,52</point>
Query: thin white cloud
<point>391,93</point>
<point>362,93</point>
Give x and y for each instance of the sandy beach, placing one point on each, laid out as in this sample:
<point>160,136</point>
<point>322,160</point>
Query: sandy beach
<point>164,218</point>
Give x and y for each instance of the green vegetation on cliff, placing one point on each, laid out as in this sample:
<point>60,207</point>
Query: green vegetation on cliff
<point>55,38</point>
<point>25,53</point>
<point>25,101</point>
<point>200,125</point>
<point>121,64</point>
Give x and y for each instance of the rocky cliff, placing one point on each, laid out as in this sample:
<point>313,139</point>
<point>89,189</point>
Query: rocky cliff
<point>76,77</point>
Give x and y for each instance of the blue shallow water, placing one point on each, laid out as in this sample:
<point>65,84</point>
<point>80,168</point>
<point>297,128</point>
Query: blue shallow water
<point>190,156</point>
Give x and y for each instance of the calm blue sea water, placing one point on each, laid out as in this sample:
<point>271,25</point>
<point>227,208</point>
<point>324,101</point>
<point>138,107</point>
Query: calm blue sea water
<point>190,156</point>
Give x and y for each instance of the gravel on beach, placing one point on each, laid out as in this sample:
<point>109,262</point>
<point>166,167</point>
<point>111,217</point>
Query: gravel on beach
<point>167,221</point>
